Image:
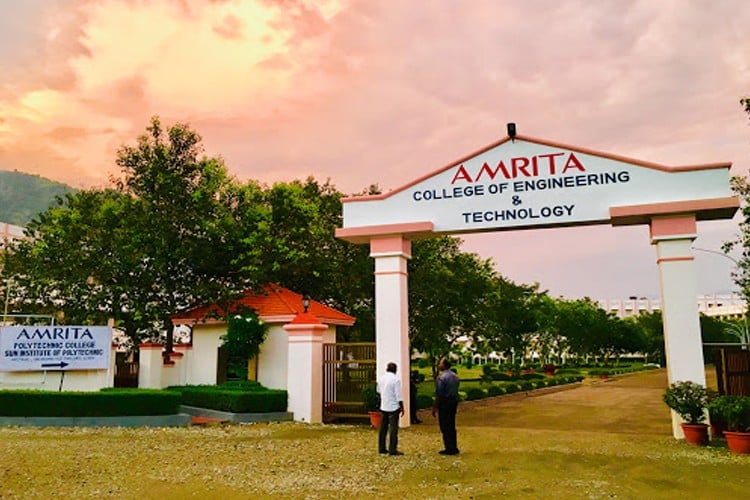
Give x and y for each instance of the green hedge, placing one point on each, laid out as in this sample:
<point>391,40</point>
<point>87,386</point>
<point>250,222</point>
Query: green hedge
<point>105,403</point>
<point>495,390</point>
<point>475,393</point>
<point>424,401</point>
<point>235,400</point>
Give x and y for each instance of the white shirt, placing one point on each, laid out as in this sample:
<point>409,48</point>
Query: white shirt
<point>389,388</point>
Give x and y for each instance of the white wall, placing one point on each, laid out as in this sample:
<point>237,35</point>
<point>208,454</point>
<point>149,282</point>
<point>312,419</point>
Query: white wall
<point>273,358</point>
<point>204,355</point>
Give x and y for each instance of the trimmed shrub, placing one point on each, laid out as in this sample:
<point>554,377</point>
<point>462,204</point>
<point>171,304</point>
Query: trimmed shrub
<point>105,403</point>
<point>235,401</point>
<point>474,393</point>
<point>511,388</point>
<point>424,401</point>
<point>495,390</point>
<point>526,385</point>
<point>532,376</point>
<point>240,385</point>
<point>499,376</point>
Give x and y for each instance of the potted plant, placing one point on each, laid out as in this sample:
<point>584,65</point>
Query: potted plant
<point>371,399</point>
<point>735,413</point>
<point>549,369</point>
<point>716,414</point>
<point>689,400</point>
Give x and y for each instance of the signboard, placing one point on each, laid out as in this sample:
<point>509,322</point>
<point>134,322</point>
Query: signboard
<point>38,348</point>
<point>530,183</point>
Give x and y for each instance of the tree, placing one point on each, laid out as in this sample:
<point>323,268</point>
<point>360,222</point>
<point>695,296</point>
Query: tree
<point>185,224</point>
<point>166,238</point>
<point>303,254</point>
<point>516,312</point>
<point>652,331</point>
<point>75,263</point>
<point>449,295</point>
<point>741,186</point>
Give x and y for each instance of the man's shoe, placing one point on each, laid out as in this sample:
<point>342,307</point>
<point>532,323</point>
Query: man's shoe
<point>443,452</point>
<point>383,452</point>
<point>446,452</point>
<point>395,453</point>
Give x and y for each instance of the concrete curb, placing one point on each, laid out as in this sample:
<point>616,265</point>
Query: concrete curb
<point>237,418</point>
<point>178,420</point>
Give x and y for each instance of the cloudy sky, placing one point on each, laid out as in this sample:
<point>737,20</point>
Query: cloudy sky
<point>386,91</point>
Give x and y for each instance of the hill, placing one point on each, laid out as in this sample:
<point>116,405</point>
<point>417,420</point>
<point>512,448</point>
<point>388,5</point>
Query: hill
<point>23,196</point>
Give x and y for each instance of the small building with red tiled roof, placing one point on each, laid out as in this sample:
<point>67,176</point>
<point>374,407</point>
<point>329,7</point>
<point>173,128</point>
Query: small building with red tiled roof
<point>276,306</point>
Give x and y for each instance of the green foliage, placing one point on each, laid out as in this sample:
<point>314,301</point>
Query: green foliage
<point>473,393</point>
<point>24,196</point>
<point>423,363</point>
<point>741,187</point>
<point>105,403</point>
<point>371,397</point>
<point>234,399</point>
<point>526,385</point>
<point>245,334</point>
<point>512,387</point>
<point>733,411</point>
<point>495,390</point>
<point>688,399</point>
<point>424,401</point>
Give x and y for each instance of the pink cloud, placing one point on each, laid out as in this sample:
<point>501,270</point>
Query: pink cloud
<point>372,92</point>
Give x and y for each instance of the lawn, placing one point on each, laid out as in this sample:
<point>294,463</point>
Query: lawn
<point>600,440</point>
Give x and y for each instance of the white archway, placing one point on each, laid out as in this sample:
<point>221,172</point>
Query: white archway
<point>526,183</point>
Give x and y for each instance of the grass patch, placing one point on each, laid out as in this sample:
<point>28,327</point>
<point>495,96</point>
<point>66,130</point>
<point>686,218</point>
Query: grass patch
<point>600,440</point>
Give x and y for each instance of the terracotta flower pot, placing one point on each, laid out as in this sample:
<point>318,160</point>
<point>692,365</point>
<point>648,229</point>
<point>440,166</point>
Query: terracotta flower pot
<point>738,442</point>
<point>375,418</point>
<point>695,434</point>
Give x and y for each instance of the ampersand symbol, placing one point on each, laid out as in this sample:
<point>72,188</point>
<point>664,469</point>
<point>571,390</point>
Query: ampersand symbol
<point>517,200</point>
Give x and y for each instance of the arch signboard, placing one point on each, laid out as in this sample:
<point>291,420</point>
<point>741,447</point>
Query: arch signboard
<point>526,183</point>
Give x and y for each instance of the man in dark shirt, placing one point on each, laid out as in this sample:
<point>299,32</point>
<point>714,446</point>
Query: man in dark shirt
<point>446,404</point>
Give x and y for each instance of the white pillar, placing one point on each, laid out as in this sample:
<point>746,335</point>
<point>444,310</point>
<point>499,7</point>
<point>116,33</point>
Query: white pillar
<point>305,368</point>
<point>673,237</point>
<point>391,254</point>
<point>150,366</point>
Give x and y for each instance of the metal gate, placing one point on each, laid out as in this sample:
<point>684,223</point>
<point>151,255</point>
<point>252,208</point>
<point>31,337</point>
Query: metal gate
<point>347,369</point>
<point>733,371</point>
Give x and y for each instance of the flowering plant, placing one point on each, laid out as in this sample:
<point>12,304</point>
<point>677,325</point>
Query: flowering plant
<point>689,400</point>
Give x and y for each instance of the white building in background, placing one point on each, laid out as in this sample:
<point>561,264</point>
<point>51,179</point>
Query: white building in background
<point>725,306</point>
<point>9,232</point>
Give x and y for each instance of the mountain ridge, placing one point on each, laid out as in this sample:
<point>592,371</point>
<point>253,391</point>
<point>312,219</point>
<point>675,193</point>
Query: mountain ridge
<point>24,196</point>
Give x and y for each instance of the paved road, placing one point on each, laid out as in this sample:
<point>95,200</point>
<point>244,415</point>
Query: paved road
<point>626,404</point>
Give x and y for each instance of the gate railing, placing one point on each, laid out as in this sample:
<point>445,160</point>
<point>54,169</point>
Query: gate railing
<point>348,368</point>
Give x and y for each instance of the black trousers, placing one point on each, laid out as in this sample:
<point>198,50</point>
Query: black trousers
<point>388,421</point>
<point>447,419</point>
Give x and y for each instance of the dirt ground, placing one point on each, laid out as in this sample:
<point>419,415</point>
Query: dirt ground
<point>599,440</point>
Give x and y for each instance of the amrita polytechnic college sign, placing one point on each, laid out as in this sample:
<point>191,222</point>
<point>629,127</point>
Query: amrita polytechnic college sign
<point>530,183</point>
<point>37,348</point>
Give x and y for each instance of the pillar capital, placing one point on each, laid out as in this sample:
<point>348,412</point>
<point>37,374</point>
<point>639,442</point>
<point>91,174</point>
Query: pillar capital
<point>673,227</point>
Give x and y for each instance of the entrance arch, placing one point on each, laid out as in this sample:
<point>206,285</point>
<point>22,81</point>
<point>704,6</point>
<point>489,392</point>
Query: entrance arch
<point>521,183</point>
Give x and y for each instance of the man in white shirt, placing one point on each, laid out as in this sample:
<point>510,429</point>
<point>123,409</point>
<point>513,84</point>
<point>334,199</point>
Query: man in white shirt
<point>391,408</point>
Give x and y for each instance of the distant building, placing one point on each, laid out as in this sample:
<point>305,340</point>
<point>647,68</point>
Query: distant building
<point>9,232</point>
<point>723,306</point>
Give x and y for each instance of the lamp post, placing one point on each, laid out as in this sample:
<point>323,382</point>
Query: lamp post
<point>744,335</point>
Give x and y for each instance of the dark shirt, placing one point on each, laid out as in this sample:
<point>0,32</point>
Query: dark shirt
<point>446,385</point>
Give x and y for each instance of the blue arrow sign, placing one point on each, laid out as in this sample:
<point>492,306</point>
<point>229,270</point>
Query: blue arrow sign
<point>61,365</point>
